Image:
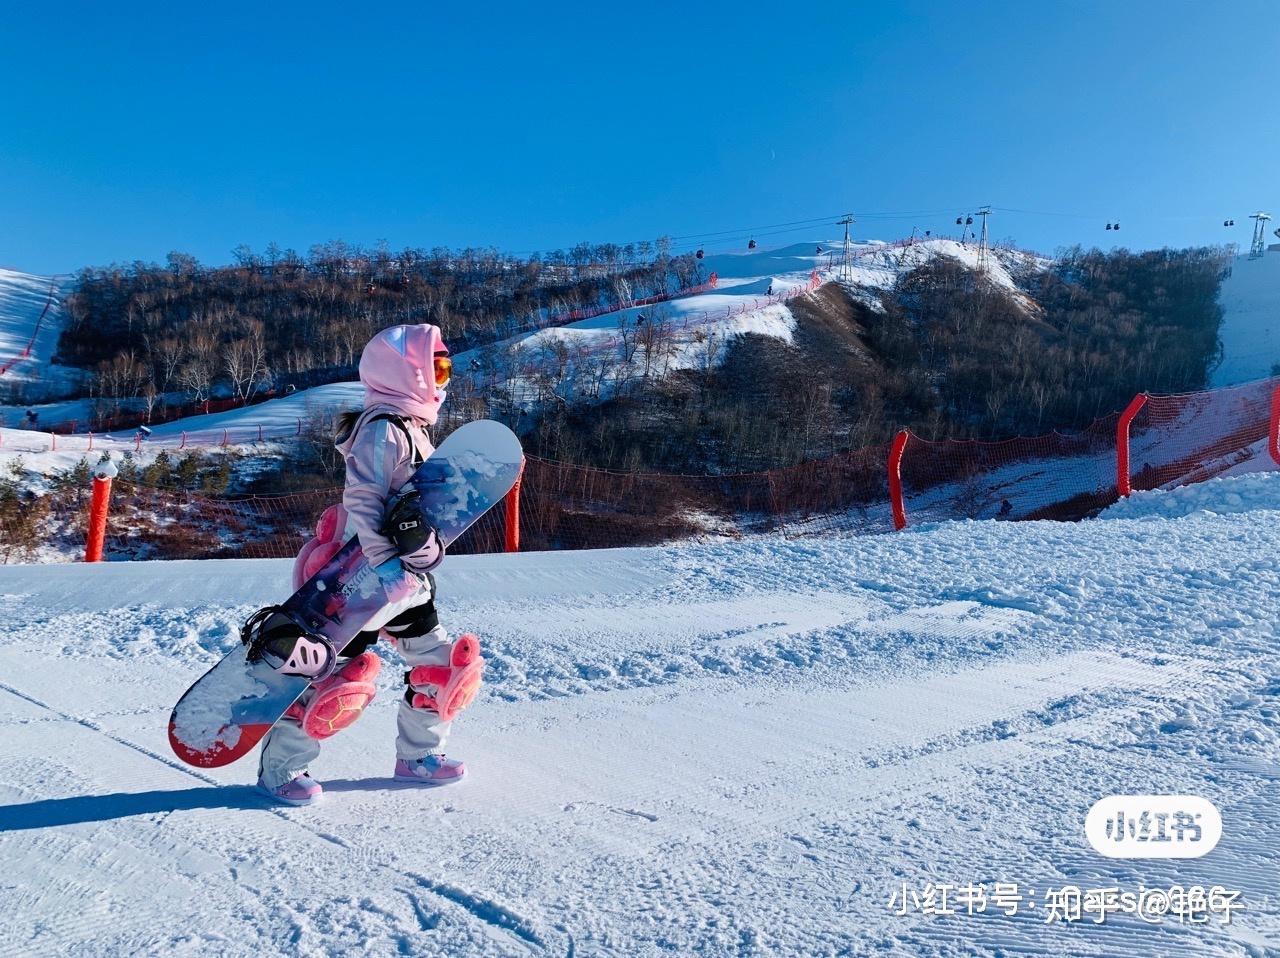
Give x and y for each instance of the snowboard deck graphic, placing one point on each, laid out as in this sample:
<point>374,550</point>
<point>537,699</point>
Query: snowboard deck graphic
<point>230,709</point>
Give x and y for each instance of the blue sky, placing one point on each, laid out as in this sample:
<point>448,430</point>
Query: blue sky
<point>126,132</point>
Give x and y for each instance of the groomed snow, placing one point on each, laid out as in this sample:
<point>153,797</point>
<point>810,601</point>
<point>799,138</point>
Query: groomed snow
<point>737,749</point>
<point>23,298</point>
<point>1250,299</point>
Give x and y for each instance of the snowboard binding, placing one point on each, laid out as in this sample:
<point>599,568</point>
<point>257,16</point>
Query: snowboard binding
<point>447,689</point>
<point>276,638</point>
<point>416,540</point>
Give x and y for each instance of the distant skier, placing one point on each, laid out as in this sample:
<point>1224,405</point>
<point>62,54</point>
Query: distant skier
<point>404,370</point>
<point>33,419</point>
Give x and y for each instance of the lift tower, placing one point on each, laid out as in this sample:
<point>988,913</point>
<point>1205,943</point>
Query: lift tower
<point>846,256</point>
<point>982,243</point>
<point>1259,245</point>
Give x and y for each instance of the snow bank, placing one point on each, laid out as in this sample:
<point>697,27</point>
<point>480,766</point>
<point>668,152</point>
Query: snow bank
<point>1223,496</point>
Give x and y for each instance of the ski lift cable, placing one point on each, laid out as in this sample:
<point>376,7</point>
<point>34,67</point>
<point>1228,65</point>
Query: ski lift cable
<point>1105,217</point>
<point>741,239</point>
<point>817,221</point>
<point>747,231</point>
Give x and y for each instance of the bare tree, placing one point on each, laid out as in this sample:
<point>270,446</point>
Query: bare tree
<point>244,360</point>
<point>166,356</point>
<point>196,376</point>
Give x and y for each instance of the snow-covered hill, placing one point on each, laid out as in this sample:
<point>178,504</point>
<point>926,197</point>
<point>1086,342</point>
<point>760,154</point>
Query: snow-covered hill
<point>700,327</point>
<point>1250,335</point>
<point>736,749</point>
<point>30,323</point>
<point>704,323</point>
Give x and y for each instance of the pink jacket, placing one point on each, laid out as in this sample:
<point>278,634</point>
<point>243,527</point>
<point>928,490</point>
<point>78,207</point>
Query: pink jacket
<point>396,369</point>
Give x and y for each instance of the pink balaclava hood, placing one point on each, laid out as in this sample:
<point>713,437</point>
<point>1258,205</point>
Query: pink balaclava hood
<point>397,369</point>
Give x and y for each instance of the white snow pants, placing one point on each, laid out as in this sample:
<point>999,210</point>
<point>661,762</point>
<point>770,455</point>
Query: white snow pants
<point>287,751</point>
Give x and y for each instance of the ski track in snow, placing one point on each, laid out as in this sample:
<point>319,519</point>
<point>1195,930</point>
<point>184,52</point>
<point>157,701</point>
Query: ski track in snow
<point>732,749</point>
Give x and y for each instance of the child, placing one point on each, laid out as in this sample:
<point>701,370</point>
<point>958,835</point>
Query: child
<point>404,370</point>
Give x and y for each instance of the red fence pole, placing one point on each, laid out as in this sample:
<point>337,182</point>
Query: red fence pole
<point>1122,443</point>
<point>98,508</point>
<point>511,517</point>
<point>1273,434</point>
<point>895,479</point>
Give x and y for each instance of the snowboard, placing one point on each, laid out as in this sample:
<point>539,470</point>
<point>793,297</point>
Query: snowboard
<point>230,709</point>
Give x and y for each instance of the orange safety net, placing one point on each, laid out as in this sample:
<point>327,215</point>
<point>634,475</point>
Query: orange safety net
<point>1191,437</point>
<point>1055,476</point>
<point>1173,440</point>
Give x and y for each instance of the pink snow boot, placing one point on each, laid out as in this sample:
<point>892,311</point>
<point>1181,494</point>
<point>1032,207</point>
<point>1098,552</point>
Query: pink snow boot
<point>339,700</point>
<point>430,770</point>
<point>303,790</point>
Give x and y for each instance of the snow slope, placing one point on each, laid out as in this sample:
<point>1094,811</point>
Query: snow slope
<point>702,326</point>
<point>30,315</point>
<point>739,749</point>
<point>1250,299</point>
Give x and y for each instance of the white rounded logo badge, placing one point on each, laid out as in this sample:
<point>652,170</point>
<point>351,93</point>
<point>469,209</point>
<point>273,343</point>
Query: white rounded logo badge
<point>1153,826</point>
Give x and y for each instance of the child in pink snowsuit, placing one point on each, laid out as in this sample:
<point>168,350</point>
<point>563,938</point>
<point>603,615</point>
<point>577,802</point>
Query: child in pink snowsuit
<point>403,370</point>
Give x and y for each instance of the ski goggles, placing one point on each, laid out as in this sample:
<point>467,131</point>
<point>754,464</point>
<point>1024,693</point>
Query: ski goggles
<point>443,366</point>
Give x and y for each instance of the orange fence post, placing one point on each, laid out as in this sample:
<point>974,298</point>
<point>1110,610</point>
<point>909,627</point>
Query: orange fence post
<point>1122,444</point>
<point>98,508</point>
<point>511,517</point>
<point>895,479</point>
<point>1273,434</point>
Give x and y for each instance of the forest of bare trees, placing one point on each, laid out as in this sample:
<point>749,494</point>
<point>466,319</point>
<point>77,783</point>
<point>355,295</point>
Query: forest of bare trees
<point>946,353</point>
<point>148,331</point>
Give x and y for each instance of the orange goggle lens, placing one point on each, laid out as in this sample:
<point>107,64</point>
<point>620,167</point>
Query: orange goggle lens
<point>444,370</point>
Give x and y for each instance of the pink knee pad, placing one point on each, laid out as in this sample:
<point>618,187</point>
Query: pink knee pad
<point>456,683</point>
<point>322,547</point>
<point>338,700</point>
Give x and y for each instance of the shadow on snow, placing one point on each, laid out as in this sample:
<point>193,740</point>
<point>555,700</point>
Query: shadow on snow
<point>79,809</point>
